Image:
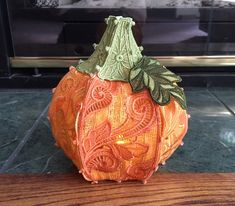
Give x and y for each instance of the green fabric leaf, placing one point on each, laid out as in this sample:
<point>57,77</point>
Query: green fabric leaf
<point>162,83</point>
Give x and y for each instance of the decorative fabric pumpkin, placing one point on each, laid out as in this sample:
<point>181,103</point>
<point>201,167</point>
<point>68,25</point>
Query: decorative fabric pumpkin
<point>119,114</point>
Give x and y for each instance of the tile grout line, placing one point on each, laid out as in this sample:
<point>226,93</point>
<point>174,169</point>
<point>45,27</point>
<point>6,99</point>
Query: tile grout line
<point>221,102</point>
<point>26,137</point>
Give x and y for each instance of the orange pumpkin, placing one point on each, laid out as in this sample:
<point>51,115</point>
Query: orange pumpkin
<point>111,132</point>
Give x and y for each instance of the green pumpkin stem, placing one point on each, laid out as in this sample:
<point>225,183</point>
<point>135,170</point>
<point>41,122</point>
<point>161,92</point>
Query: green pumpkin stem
<point>116,53</point>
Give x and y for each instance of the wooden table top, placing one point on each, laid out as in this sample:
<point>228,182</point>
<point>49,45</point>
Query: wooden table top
<point>162,189</point>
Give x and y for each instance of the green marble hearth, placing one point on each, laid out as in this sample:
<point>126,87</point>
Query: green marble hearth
<point>27,145</point>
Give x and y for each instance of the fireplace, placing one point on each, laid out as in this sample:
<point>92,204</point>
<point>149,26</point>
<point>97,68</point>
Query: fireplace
<point>68,28</point>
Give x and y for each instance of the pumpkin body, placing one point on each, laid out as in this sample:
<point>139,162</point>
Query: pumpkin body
<point>110,132</point>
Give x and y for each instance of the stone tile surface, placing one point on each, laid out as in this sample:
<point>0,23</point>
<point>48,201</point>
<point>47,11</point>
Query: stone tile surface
<point>40,155</point>
<point>202,103</point>
<point>226,95</point>
<point>18,111</point>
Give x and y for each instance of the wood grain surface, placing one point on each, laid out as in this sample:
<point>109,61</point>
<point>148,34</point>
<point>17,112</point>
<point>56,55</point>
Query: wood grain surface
<point>162,189</point>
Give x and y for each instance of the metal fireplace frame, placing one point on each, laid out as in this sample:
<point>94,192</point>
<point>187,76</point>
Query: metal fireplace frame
<point>171,61</point>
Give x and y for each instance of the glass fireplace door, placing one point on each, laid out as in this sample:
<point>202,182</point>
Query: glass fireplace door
<point>68,28</point>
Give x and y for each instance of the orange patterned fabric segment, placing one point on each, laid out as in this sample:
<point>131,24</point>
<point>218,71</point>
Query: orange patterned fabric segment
<point>111,133</point>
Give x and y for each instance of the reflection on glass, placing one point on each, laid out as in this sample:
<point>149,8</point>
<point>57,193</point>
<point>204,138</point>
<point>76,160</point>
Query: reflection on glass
<point>132,3</point>
<point>163,27</point>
